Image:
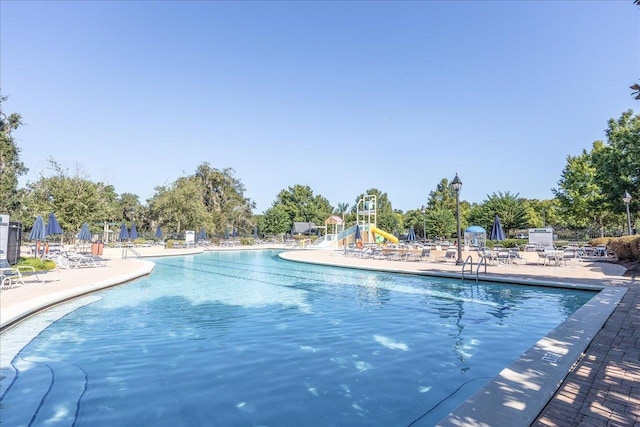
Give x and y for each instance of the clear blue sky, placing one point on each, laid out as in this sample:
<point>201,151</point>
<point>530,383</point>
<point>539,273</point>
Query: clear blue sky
<point>340,96</point>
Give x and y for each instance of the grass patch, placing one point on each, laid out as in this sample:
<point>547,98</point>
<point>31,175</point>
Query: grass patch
<point>37,263</point>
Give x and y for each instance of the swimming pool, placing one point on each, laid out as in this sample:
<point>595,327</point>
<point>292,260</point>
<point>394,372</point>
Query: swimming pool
<point>244,338</point>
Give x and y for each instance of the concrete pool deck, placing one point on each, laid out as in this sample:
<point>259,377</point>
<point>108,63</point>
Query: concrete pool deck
<point>601,389</point>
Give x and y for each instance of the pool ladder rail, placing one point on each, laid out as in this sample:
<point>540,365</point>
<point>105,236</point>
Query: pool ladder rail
<point>469,261</point>
<point>125,253</point>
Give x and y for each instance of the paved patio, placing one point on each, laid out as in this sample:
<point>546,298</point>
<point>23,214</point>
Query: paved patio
<point>601,389</point>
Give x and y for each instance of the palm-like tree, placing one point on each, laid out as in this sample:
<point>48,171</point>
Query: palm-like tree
<point>342,209</point>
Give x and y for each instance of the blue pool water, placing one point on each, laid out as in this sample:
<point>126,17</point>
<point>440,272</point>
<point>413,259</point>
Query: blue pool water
<point>247,339</point>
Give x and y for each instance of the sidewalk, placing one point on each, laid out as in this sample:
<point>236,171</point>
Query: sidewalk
<point>602,389</point>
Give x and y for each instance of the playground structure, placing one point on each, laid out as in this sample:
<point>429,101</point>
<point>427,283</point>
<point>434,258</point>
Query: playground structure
<point>366,218</point>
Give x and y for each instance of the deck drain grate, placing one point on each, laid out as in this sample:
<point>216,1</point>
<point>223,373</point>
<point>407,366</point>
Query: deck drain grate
<point>551,357</point>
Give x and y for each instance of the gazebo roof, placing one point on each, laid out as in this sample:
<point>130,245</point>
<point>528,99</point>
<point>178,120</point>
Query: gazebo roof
<point>333,219</point>
<point>475,229</point>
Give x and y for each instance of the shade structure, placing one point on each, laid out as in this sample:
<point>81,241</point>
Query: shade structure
<point>412,234</point>
<point>497,233</point>
<point>84,233</point>
<point>158,232</point>
<point>124,234</point>
<point>53,227</point>
<point>38,231</point>
<point>134,232</point>
<point>358,235</point>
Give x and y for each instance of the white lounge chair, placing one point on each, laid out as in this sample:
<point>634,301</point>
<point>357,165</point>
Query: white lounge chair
<point>12,276</point>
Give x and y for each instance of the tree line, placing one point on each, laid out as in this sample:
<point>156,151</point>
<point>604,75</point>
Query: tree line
<point>588,197</point>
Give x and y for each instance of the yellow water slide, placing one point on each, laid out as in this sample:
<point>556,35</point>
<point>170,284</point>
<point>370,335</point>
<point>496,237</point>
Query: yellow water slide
<point>384,234</point>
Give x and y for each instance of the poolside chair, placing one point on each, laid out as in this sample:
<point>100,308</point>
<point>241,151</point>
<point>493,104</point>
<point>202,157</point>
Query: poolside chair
<point>425,255</point>
<point>516,258</point>
<point>542,257</point>
<point>450,256</point>
<point>378,253</point>
<point>488,255</point>
<point>393,256</point>
<point>12,276</point>
<point>504,257</point>
<point>570,257</point>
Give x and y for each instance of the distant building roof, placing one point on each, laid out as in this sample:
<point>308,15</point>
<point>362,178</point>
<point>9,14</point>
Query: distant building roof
<point>302,227</point>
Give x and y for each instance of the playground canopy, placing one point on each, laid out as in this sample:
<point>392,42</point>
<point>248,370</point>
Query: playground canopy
<point>475,236</point>
<point>336,222</point>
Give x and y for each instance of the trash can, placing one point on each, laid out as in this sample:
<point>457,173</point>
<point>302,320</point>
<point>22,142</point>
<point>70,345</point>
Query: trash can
<point>97,248</point>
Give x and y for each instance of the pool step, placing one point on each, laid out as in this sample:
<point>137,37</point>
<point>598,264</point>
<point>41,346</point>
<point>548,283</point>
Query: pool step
<point>44,392</point>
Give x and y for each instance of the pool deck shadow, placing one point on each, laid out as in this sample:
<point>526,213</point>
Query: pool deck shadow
<point>585,372</point>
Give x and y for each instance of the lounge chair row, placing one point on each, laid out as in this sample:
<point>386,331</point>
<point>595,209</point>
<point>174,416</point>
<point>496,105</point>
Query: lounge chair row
<point>389,254</point>
<point>68,260</point>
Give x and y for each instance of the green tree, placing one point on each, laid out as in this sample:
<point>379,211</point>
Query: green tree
<point>342,209</point>
<point>581,200</point>
<point>617,163</point>
<point>74,199</point>
<point>543,213</point>
<point>130,207</point>
<point>275,221</point>
<point>10,165</point>
<point>222,194</point>
<point>415,218</point>
<point>509,207</point>
<point>179,206</point>
<point>444,196</point>
<point>440,223</point>
<point>301,205</point>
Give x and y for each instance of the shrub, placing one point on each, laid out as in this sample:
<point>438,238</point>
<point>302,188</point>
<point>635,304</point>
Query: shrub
<point>247,241</point>
<point>626,247</point>
<point>169,244</point>
<point>600,241</point>
<point>507,243</point>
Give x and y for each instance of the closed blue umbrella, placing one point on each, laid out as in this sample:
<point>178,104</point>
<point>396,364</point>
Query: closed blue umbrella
<point>124,234</point>
<point>203,234</point>
<point>159,232</point>
<point>53,227</point>
<point>84,233</point>
<point>358,235</point>
<point>234,232</point>
<point>497,233</point>
<point>38,233</point>
<point>255,232</point>
<point>226,233</point>
<point>412,234</point>
<point>134,232</point>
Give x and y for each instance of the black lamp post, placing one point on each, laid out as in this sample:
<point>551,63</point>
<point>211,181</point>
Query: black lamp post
<point>424,228</point>
<point>627,199</point>
<point>457,185</point>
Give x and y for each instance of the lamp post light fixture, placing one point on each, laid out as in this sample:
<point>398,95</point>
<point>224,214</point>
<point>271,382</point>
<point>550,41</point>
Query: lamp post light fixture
<point>457,186</point>
<point>424,228</point>
<point>627,199</point>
